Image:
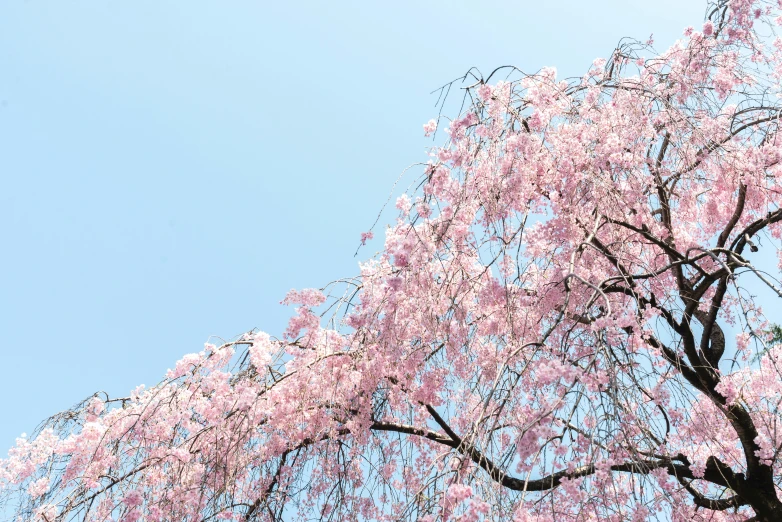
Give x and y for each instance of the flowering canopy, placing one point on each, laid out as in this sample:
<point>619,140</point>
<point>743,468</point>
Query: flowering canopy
<point>557,328</point>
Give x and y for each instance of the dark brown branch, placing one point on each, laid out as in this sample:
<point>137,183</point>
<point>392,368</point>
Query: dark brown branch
<point>734,218</point>
<point>753,228</point>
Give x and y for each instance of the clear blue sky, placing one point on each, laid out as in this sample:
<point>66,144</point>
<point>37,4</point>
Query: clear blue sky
<point>171,169</point>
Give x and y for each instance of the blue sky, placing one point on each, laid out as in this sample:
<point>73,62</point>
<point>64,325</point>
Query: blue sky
<point>169,170</point>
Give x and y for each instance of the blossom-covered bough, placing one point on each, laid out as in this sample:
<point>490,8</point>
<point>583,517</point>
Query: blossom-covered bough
<point>559,327</point>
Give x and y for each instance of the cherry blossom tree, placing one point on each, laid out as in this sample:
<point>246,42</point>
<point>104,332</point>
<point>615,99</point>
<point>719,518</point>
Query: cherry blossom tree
<point>560,326</point>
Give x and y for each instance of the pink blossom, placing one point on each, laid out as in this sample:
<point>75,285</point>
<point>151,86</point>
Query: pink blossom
<point>403,204</point>
<point>306,297</point>
<point>38,487</point>
<point>430,127</point>
<point>133,498</point>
